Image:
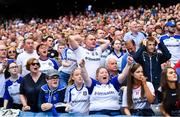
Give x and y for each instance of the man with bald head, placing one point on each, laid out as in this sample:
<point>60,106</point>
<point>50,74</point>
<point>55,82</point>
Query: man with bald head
<point>134,34</point>
<point>112,67</point>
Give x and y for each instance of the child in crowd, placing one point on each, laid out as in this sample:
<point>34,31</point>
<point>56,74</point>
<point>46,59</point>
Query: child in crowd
<point>77,94</point>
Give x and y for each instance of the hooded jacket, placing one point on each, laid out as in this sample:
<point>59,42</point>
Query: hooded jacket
<point>152,63</point>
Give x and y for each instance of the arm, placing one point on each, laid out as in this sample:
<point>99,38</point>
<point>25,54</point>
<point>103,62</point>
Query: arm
<point>5,103</point>
<point>150,97</point>
<point>126,111</point>
<point>72,41</point>
<point>162,110</point>
<point>66,63</point>
<point>86,78</point>
<point>138,55</point>
<point>166,55</point>
<point>105,44</point>
<point>24,103</point>
<point>125,71</point>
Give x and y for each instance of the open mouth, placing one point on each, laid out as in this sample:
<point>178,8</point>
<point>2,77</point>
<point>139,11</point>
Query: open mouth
<point>104,78</point>
<point>36,68</point>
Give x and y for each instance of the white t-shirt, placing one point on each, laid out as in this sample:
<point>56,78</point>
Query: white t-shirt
<point>79,99</point>
<point>46,65</point>
<point>92,59</point>
<point>138,103</point>
<point>22,60</point>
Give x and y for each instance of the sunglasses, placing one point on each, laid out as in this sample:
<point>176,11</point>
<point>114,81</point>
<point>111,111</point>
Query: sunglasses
<point>33,64</point>
<point>11,51</point>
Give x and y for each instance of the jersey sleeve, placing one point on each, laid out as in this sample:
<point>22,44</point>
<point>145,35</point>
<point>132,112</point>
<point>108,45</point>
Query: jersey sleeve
<point>115,83</point>
<point>67,95</point>
<point>6,94</point>
<point>90,89</point>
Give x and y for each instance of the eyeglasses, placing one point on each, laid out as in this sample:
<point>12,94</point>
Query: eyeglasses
<point>35,64</point>
<point>11,51</point>
<point>13,67</point>
<point>53,77</point>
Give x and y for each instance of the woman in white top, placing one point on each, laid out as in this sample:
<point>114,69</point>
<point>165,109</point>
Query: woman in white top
<point>104,96</point>
<point>139,94</point>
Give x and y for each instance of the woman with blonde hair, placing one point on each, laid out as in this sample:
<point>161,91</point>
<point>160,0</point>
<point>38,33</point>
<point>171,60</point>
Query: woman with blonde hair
<point>77,94</point>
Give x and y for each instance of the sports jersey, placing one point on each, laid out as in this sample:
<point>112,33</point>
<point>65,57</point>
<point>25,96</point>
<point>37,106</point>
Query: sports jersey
<point>92,59</point>
<point>138,102</point>
<point>173,45</point>
<point>104,56</point>
<point>68,55</point>
<point>79,99</point>
<point>104,96</point>
<point>48,65</point>
<point>12,90</point>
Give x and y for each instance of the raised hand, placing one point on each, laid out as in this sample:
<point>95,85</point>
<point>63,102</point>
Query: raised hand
<point>130,60</point>
<point>82,63</point>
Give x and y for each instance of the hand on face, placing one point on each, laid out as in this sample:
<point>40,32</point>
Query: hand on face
<point>143,80</point>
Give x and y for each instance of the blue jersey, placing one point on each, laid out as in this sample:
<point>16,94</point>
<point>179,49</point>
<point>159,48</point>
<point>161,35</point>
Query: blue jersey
<point>12,90</point>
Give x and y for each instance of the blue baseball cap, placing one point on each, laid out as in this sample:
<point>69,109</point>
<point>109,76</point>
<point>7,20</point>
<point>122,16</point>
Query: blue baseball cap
<point>171,24</point>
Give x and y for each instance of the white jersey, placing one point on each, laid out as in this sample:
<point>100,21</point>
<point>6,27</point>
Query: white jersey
<point>173,45</point>
<point>47,65</point>
<point>104,56</point>
<point>138,103</point>
<point>92,59</point>
<point>68,55</point>
<point>104,96</point>
<point>23,58</point>
<point>79,99</point>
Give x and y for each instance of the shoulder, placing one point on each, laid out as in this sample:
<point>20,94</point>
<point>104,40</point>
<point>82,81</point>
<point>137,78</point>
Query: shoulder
<point>8,83</point>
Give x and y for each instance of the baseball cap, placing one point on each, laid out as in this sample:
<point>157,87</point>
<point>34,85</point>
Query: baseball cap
<point>170,23</point>
<point>52,72</point>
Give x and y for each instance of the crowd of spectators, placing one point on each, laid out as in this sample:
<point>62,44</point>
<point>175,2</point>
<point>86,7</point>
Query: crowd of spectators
<point>92,62</point>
